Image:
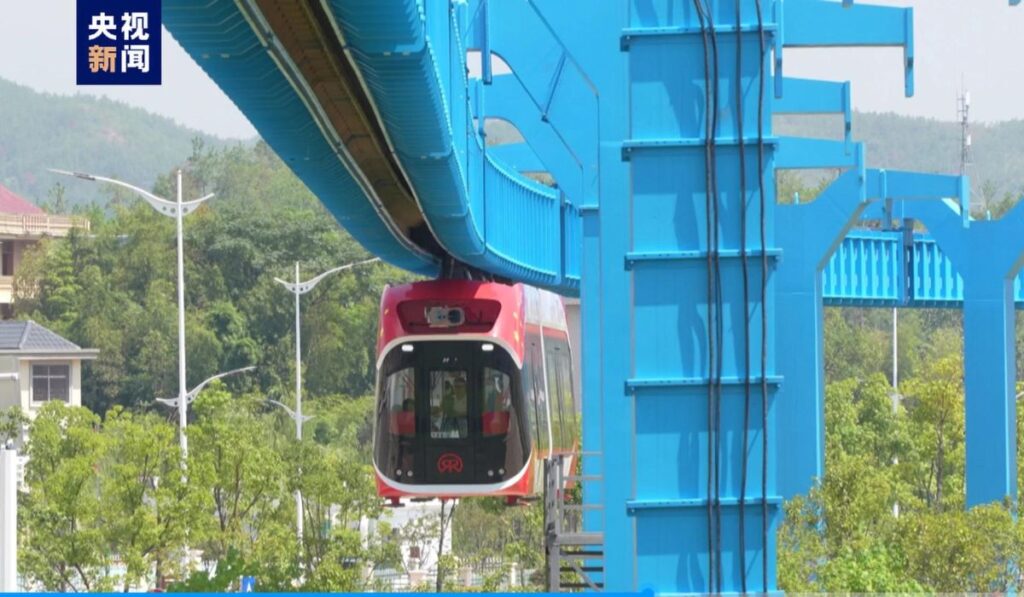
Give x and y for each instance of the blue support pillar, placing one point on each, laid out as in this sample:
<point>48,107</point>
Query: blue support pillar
<point>988,256</point>
<point>823,225</point>
<point>989,376</point>
<point>703,501</point>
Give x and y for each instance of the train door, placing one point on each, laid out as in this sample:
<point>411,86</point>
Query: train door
<point>449,411</point>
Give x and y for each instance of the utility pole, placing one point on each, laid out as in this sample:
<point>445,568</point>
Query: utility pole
<point>8,520</point>
<point>177,210</point>
<point>182,388</point>
<point>895,385</point>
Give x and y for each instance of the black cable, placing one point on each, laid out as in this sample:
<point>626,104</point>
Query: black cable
<point>710,286</point>
<point>764,306</point>
<point>719,319</point>
<point>746,297</point>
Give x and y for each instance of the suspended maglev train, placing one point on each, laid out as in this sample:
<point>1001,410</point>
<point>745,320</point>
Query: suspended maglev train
<point>474,390</point>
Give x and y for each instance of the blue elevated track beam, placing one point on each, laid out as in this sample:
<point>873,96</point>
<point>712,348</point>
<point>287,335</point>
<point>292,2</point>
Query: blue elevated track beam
<point>412,70</point>
<point>217,36</point>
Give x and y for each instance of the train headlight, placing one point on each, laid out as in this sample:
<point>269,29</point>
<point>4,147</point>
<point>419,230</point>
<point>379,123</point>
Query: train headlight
<point>487,347</point>
<point>407,348</point>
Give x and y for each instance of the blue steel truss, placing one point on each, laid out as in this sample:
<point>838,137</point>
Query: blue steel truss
<point>612,100</point>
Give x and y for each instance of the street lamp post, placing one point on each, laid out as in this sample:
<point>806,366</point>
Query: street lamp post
<point>8,519</point>
<point>299,288</point>
<point>299,420</point>
<point>177,210</point>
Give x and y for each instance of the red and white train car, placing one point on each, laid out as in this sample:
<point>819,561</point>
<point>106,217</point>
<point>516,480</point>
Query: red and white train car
<point>474,389</point>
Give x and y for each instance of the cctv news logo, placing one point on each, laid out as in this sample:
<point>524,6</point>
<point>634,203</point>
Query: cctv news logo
<point>118,42</point>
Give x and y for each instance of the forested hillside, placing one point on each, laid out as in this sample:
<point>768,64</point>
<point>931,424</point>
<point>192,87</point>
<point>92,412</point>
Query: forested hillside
<point>997,157</point>
<point>84,133</point>
<point>113,289</point>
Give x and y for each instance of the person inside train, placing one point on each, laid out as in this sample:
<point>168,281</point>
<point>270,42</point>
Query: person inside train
<point>497,399</point>
<point>450,423</point>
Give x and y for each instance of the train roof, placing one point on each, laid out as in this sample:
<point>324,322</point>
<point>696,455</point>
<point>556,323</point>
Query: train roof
<point>491,309</point>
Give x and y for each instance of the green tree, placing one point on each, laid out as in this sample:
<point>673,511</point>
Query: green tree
<point>63,545</point>
<point>936,414</point>
<point>235,462</point>
<point>12,421</point>
<point>147,504</point>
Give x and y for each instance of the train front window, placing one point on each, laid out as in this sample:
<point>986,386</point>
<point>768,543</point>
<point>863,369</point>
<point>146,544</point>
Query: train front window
<point>449,404</point>
<point>497,402</point>
<point>400,392</point>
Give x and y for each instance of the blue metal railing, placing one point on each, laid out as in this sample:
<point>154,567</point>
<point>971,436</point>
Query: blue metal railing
<point>867,271</point>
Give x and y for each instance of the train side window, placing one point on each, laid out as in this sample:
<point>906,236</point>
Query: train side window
<point>449,404</point>
<point>555,388</point>
<point>537,397</point>
<point>400,389</point>
<point>565,370</point>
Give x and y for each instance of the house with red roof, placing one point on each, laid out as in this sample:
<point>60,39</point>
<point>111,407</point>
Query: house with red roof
<point>23,224</point>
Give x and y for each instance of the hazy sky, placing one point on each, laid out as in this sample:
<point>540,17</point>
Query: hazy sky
<point>37,49</point>
<point>977,41</point>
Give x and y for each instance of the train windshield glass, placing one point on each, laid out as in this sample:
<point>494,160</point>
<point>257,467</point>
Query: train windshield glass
<point>400,395</point>
<point>449,404</point>
<point>497,402</point>
<point>447,413</point>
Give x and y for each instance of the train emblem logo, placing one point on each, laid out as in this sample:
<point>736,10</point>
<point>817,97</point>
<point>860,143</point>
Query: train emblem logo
<point>449,462</point>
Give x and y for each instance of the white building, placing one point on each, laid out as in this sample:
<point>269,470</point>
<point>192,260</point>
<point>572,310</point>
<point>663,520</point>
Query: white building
<point>22,225</point>
<point>38,366</point>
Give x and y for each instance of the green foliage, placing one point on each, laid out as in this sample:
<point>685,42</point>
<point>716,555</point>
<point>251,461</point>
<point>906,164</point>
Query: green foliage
<point>883,457</point>
<point>63,544</point>
<point>114,289</point>
<point>487,528</point>
<point>101,490</point>
<point>223,579</point>
<point>12,421</point>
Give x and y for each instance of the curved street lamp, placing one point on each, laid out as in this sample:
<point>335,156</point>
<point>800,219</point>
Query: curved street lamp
<point>190,396</point>
<point>177,210</point>
<point>299,288</point>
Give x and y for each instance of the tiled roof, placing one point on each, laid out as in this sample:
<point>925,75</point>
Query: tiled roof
<point>13,204</point>
<point>29,336</point>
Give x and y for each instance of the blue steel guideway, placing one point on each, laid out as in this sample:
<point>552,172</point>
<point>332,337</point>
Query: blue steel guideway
<point>650,332</point>
<point>250,67</point>
<point>413,60</point>
<point>247,68</point>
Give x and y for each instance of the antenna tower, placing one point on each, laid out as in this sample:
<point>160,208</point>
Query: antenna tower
<point>964,116</point>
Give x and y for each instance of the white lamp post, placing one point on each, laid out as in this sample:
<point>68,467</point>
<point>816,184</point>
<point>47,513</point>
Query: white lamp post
<point>299,288</point>
<point>299,420</point>
<point>177,210</point>
<point>8,519</point>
